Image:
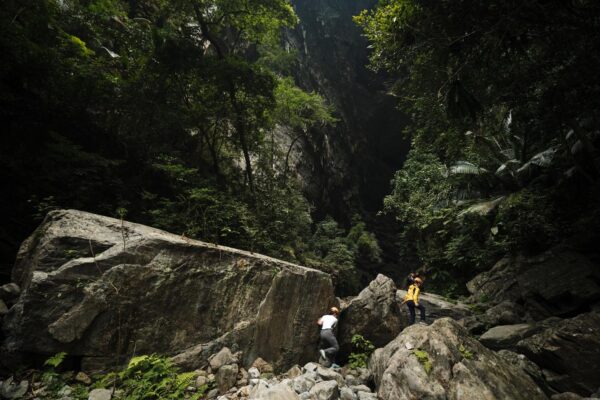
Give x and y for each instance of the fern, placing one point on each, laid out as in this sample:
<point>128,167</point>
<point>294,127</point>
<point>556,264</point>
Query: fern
<point>55,360</point>
<point>364,348</point>
<point>423,358</point>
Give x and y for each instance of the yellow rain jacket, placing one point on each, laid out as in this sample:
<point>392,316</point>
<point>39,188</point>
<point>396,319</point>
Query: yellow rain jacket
<point>412,294</point>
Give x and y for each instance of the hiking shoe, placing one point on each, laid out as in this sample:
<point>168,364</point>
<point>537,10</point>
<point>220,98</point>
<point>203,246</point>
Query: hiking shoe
<point>335,366</point>
<point>323,355</point>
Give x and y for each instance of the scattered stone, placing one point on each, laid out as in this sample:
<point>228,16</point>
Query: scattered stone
<point>327,390</point>
<point>201,381</point>
<point>254,373</point>
<point>360,388</point>
<point>347,394</point>
<point>11,390</point>
<point>263,366</point>
<point>311,366</point>
<point>244,391</point>
<point>226,377</point>
<point>223,357</point>
<point>303,383</point>
<point>367,396</point>
<point>351,380</point>
<point>294,372</point>
<point>100,394</point>
<point>277,392</point>
<point>65,391</point>
<point>212,394</point>
<point>328,374</point>
<point>82,377</point>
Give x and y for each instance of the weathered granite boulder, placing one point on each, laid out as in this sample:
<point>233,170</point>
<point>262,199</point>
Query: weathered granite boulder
<point>96,287</point>
<point>534,371</point>
<point>441,361</point>
<point>507,312</point>
<point>436,306</point>
<point>507,336</point>
<point>568,353</point>
<point>374,314</point>
<point>556,283</point>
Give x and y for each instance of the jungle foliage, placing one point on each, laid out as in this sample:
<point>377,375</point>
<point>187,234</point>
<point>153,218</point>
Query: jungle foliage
<point>172,113</point>
<point>504,104</point>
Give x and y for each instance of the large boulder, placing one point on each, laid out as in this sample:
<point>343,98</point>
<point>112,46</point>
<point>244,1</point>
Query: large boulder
<point>557,283</point>
<point>568,353</point>
<point>507,336</point>
<point>441,361</point>
<point>437,306</point>
<point>374,314</point>
<point>96,287</point>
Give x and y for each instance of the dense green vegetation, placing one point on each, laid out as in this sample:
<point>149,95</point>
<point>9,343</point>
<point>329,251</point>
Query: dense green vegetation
<point>178,114</point>
<point>504,104</point>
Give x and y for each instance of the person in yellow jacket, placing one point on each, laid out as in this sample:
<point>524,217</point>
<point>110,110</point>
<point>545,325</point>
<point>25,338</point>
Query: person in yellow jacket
<point>412,300</point>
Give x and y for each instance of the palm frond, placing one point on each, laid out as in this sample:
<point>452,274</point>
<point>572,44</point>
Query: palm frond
<point>466,168</point>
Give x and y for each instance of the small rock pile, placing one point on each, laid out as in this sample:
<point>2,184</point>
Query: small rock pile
<point>310,382</point>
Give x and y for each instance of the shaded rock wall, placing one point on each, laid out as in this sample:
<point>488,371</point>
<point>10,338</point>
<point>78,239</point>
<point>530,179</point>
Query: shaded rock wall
<point>350,165</point>
<point>98,288</point>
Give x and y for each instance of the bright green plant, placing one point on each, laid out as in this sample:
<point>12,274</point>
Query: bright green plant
<point>363,350</point>
<point>151,377</point>
<point>423,358</point>
<point>465,352</point>
<point>54,381</point>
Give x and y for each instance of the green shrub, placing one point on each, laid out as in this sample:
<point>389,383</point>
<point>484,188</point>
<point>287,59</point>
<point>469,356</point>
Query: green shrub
<point>363,350</point>
<point>151,377</point>
<point>54,381</point>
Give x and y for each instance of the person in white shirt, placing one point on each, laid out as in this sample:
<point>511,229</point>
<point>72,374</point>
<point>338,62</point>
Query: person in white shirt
<point>329,345</point>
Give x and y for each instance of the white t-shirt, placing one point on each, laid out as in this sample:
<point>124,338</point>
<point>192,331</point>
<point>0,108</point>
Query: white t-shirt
<point>328,321</point>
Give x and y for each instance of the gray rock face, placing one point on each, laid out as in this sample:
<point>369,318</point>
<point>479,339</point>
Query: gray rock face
<point>94,287</point>
<point>535,372</point>
<point>441,361</point>
<point>436,306</point>
<point>569,353</point>
<point>557,283</point>
<point>374,314</point>
<point>506,336</point>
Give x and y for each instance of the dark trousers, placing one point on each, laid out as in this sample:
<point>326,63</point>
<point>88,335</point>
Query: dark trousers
<point>329,344</point>
<point>411,309</point>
